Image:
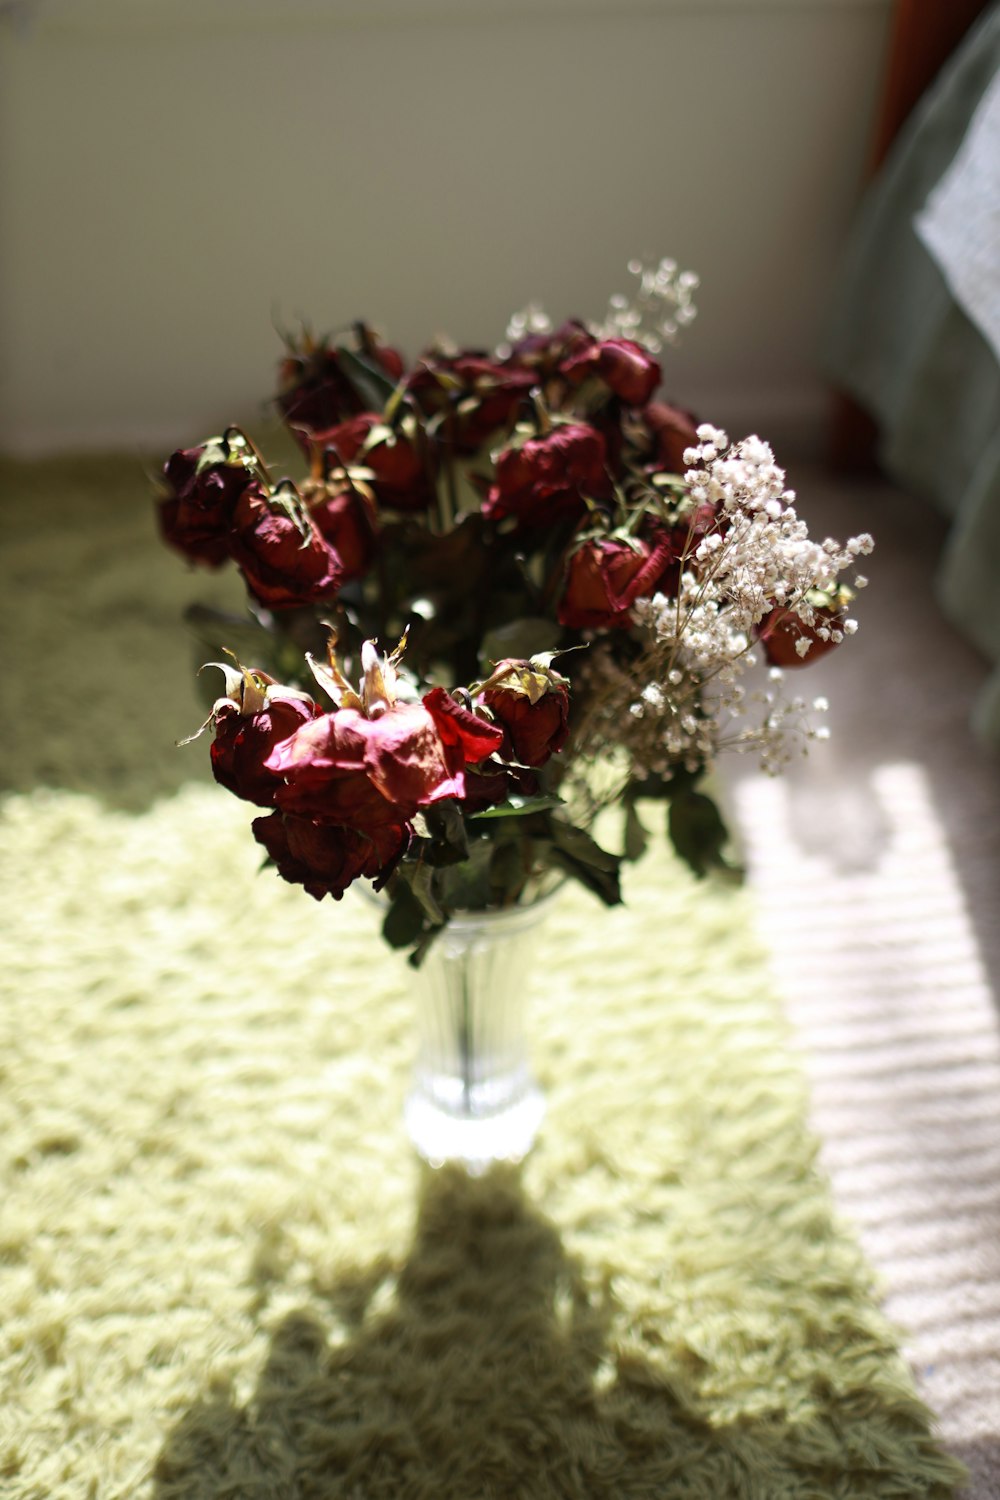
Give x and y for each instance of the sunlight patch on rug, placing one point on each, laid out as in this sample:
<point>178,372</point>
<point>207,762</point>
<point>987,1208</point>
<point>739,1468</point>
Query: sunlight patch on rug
<point>222,1272</point>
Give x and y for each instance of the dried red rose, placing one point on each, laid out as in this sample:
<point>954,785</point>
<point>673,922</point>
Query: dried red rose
<point>399,477</point>
<point>628,370</point>
<point>549,476</point>
<point>350,769</point>
<point>402,480</point>
<point>671,430</point>
<point>324,858</point>
<point>315,391</point>
<point>543,353</point>
<point>340,444</point>
<point>283,558</point>
<point>493,782</point>
<point>605,577</point>
<point>345,519</point>
<point>195,515</point>
<point>244,740</point>
<point>531,703</point>
<point>781,632</point>
<point>474,396</point>
<point>459,727</point>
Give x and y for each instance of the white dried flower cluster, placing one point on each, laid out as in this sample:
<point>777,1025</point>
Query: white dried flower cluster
<point>653,315</point>
<point>530,319</point>
<point>656,311</point>
<point>685,700</point>
<point>758,554</point>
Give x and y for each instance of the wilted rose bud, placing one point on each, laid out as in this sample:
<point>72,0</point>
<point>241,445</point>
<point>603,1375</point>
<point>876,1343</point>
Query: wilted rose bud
<point>315,388</point>
<point>670,430</point>
<point>549,476</point>
<point>543,353</point>
<point>345,519</point>
<point>401,479</point>
<point>628,370</point>
<point>790,642</point>
<point>203,486</point>
<point>605,577</point>
<point>256,716</point>
<point>277,547</point>
<point>494,782</point>
<point>338,446</point>
<point>388,456</point>
<point>531,704</point>
<point>325,858</point>
<point>471,395</point>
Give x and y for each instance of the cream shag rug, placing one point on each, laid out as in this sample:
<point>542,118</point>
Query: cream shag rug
<point>222,1273</point>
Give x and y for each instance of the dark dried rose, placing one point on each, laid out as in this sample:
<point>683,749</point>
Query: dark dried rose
<point>400,479</point>
<point>340,444</point>
<point>781,632</point>
<point>324,858</point>
<point>345,795</point>
<point>543,353</point>
<point>604,578</point>
<point>628,370</point>
<point>315,391</point>
<point>494,782</point>
<point>194,517</point>
<point>549,477</point>
<point>315,394</point>
<point>285,561</point>
<point>531,703</point>
<point>671,430</point>
<point>243,741</point>
<point>472,395</point>
<point>346,520</point>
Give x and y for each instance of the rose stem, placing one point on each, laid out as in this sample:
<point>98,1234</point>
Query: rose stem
<point>465,1043</point>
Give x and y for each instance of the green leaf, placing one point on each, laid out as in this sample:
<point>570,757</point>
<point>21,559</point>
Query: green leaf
<point>467,885</point>
<point>404,921</point>
<point>574,851</point>
<point>507,872</point>
<point>416,957</point>
<point>423,889</point>
<point>449,842</point>
<point>518,807</point>
<point>697,832</point>
<point>372,384</point>
<point>636,837</point>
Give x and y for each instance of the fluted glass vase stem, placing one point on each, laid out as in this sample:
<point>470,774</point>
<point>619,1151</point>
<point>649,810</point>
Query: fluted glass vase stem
<point>473,1098</point>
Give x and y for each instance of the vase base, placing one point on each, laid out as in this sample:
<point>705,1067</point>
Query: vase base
<point>474,1141</point>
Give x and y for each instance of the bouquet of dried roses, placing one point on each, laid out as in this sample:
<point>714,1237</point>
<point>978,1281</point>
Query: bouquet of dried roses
<point>511,590</point>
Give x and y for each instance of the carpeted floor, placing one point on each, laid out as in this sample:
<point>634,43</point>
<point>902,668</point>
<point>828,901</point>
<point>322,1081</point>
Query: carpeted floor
<point>221,1271</point>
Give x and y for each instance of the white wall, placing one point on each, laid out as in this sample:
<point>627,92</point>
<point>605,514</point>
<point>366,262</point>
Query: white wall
<point>176,173</point>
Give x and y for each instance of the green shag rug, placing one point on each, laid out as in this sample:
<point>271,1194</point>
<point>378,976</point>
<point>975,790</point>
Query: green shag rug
<point>223,1274</point>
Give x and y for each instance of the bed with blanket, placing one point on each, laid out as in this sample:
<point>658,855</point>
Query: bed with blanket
<point>914,334</point>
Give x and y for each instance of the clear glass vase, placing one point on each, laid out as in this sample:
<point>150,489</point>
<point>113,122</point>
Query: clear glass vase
<point>473,1099</point>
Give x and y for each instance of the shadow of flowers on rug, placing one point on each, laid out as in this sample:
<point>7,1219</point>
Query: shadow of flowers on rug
<point>484,1365</point>
<point>98,604</point>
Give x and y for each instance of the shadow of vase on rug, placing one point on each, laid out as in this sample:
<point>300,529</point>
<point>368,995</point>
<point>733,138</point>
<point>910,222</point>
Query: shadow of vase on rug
<point>485,1361</point>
